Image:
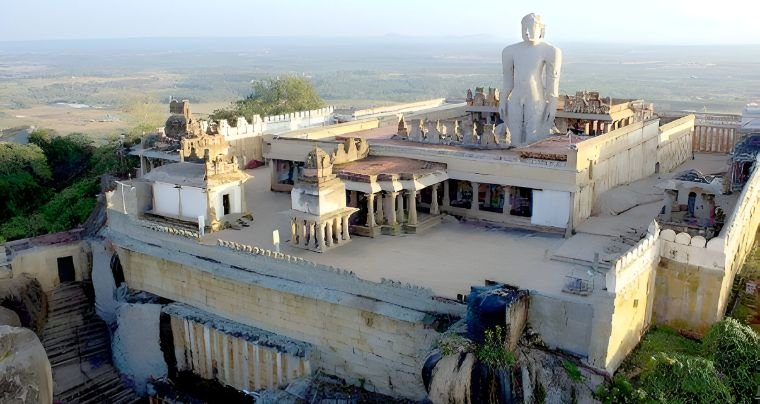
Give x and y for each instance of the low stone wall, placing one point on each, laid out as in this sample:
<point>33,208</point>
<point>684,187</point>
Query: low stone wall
<point>353,337</point>
<point>562,324</point>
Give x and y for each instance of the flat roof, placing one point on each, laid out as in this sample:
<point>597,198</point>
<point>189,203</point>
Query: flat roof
<point>455,255</point>
<point>189,174</point>
<point>386,167</point>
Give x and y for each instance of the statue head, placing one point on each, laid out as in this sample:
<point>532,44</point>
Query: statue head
<point>533,28</point>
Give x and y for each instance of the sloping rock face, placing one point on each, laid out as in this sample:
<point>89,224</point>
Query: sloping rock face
<point>548,377</point>
<point>9,317</point>
<point>24,296</point>
<point>25,374</point>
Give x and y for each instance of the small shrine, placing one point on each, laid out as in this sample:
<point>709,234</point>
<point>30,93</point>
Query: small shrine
<point>319,216</point>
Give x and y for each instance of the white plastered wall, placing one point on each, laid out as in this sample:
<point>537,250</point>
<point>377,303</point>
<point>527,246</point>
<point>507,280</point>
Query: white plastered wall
<point>194,202</point>
<point>236,198</point>
<point>551,208</point>
<point>165,199</point>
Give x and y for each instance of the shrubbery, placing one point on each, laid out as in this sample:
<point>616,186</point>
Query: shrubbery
<point>684,378</point>
<point>734,349</point>
<point>724,368</point>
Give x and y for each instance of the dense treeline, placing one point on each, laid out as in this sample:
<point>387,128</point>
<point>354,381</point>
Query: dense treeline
<point>50,184</point>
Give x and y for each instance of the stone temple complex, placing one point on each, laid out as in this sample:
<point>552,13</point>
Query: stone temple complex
<point>361,239</point>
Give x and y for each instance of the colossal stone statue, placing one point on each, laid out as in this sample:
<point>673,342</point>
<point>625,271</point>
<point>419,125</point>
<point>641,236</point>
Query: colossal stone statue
<point>531,84</point>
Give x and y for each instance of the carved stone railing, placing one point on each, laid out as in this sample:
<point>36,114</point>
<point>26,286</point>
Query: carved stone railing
<point>454,132</point>
<point>173,230</point>
<point>264,252</point>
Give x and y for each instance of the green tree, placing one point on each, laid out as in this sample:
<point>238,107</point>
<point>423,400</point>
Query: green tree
<point>23,173</point>
<point>113,158</point>
<point>273,97</point>
<point>70,207</point>
<point>68,156</point>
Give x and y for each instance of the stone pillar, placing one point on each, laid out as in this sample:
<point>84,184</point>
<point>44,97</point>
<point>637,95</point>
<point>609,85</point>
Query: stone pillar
<point>391,198</point>
<point>446,193</point>
<point>293,235</point>
<point>412,207</point>
<point>371,210</point>
<point>400,208</point>
<point>313,240</point>
<point>434,200</point>
<point>353,200</point>
<point>474,206</point>
<point>319,236</point>
<point>302,233</point>
<point>345,228</point>
<point>328,226</point>
<point>336,223</point>
<point>380,215</point>
<point>507,200</point>
<point>274,177</point>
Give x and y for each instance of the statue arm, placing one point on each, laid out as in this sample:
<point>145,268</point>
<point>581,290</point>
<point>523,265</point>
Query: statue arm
<point>508,74</point>
<point>551,93</point>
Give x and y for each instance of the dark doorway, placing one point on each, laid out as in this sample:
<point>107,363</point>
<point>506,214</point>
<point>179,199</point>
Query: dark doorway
<point>66,272</point>
<point>692,203</point>
<point>226,203</point>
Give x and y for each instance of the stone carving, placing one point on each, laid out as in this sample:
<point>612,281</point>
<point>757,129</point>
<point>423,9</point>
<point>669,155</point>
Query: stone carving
<point>432,132</point>
<point>528,105</point>
<point>467,133</point>
<point>415,133</point>
<point>480,98</point>
<point>352,149</point>
<point>488,137</point>
<point>587,102</point>
<point>402,131</point>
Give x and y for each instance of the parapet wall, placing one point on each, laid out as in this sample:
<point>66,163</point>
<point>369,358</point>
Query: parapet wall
<point>274,123</point>
<point>739,231</point>
<point>689,278</point>
<point>626,155</point>
<point>631,282</point>
<point>695,276</point>
<point>641,257</point>
<point>606,161</point>
<point>675,143</point>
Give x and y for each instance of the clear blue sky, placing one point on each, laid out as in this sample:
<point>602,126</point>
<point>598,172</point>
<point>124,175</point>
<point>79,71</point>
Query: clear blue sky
<point>637,21</point>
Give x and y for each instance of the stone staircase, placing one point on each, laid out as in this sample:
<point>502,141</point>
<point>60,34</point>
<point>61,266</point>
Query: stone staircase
<point>78,346</point>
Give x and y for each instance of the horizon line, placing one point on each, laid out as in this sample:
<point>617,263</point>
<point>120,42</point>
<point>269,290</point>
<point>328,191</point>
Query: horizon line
<point>485,38</point>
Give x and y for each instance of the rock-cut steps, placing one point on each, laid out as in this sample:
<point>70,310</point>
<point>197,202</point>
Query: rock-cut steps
<point>78,346</point>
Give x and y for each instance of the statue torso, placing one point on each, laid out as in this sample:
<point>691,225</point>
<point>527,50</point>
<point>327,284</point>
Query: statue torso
<point>528,62</point>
